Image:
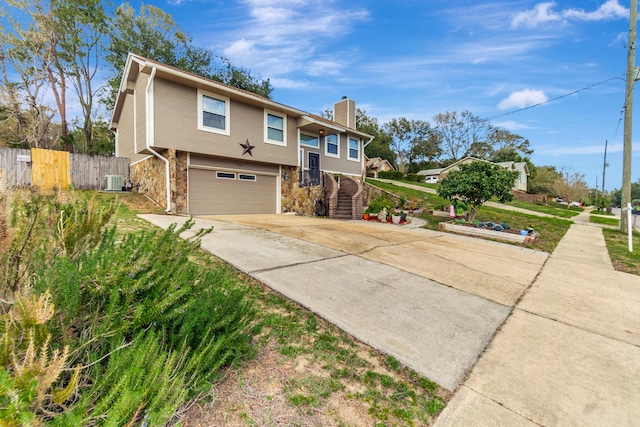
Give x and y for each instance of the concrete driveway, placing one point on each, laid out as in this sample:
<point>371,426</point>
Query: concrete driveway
<point>432,300</point>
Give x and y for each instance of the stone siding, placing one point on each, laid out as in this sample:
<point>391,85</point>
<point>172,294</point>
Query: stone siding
<point>300,200</point>
<point>150,175</point>
<point>370,192</point>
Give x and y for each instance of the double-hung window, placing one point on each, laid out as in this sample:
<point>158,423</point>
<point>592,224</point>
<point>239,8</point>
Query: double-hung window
<point>332,147</point>
<point>309,140</point>
<point>354,149</point>
<point>275,128</point>
<point>213,113</point>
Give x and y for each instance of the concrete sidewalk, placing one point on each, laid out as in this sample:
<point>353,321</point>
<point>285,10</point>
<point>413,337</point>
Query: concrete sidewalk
<point>570,352</point>
<point>432,300</point>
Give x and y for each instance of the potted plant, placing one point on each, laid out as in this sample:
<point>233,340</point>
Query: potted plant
<point>395,217</point>
<point>365,215</point>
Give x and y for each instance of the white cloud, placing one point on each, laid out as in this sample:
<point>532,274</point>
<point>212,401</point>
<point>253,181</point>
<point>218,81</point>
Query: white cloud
<point>513,125</point>
<point>544,13</point>
<point>522,98</point>
<point>281,37</point>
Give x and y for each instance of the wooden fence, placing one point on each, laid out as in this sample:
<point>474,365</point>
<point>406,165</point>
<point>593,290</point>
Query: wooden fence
<point>49,169</point>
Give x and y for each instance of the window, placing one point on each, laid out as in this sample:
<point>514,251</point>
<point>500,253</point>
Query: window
<point>354,149</point>
<point>275,128</point>
<point>332,145</point>
<point>225,175</point>
<point>213,113</point>
<point>244,177</point>
<point>309,140</point>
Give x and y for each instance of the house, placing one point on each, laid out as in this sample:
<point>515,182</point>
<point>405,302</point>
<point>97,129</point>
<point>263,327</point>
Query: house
<point>431,175</point>
<point>375,165</point>
<point>520,183</point>
<point>198,146</point>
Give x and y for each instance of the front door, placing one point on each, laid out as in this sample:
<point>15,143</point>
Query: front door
<point>314,168</point>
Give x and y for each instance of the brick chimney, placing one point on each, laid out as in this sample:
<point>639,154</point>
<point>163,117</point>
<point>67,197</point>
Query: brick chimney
<point>344,112</point>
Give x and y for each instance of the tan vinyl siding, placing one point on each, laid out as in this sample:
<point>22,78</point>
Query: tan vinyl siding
<point>341,165</point>
<point>141,114</point>
<point>176,126</point>
<point>220,163</point>
<point>125,129</point>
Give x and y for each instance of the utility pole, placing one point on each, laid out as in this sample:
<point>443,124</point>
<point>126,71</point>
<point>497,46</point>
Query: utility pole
<point>628,104</point>
<point>604,167</point>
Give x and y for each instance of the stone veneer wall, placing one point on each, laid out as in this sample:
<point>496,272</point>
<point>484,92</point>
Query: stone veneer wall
<point>295,198</point>
<point>150,174</point>
<point>178,179</point>
<point>370,192</point>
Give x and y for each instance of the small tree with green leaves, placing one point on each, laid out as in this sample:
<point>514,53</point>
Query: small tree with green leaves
<point>475,183</point>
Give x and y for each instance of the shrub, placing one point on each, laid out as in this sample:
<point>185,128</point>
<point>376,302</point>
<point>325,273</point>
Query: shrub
<point>414,177</point>
<point>382,201</point>
<point>146,327</point>
<point>395,175</point>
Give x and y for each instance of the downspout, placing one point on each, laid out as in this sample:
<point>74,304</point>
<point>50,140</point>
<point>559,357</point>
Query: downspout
<point>150,136</point>
<point>364,168</point>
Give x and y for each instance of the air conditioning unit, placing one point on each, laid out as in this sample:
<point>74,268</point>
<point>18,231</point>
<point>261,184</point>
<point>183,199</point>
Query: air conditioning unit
<point>113,182</point>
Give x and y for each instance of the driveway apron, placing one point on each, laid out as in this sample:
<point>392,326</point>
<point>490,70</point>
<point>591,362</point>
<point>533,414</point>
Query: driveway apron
<point>431,300</point>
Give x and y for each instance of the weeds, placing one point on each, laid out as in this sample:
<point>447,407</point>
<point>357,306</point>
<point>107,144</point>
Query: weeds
<point>105,330</point>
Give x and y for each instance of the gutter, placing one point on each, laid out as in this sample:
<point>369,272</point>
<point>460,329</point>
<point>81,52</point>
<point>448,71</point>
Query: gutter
<point>150,135</point>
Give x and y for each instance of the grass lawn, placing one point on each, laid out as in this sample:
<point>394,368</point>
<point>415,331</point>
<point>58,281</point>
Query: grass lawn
<point>423,184</point>
<point>607,220</point>
<point>553,208</point>
<point>425,200</point>
<point>306,371</point>
<point>551,229</point>
<point>618,245</point>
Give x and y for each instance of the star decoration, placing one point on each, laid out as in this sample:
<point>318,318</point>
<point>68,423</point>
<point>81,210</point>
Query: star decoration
<point>247,148</point>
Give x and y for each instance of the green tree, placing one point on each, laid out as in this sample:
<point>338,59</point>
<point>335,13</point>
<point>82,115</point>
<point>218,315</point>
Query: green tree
<point>616,195</point>
<point>475,183</point>
<point>380,145</point>
<point>413,142</point>
<point>542,182</point>
<point>241,78</point>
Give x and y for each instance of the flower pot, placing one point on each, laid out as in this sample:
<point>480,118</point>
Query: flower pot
<point>395,219</point>
<point>524,232</point>
<point>365,216</point>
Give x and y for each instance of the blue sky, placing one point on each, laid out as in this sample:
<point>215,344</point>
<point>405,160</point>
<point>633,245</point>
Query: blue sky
<point>415,59</point>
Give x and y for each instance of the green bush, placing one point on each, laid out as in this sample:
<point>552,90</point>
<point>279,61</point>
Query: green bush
<point>382,201</point>
<point>414,177</point>
<point>149,327</point>
<point>396,175</point>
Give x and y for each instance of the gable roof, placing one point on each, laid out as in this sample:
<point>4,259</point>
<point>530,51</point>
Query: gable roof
<point>138,64</point>
<point>430,172</point>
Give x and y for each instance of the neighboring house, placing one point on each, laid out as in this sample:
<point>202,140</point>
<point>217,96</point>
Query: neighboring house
<point>376,165</point>
<point>522,168</point>
<point>431,175</point>
<point>520,183</point>
<point>198,146</point>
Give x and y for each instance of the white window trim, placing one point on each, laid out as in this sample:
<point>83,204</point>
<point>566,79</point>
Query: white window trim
<point>357,159</point>
<point>326,146</point>
<point>227,118</point>
<point>282,143</point>
<point>315,135</point>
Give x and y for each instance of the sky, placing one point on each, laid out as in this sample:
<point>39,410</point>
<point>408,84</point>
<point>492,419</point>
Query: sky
<point>417,58</point>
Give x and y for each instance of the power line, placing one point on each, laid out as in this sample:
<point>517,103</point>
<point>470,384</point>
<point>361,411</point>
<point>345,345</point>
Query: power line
<point>556,98</point>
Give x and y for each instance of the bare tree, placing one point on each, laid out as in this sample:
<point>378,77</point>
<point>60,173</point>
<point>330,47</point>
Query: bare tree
<point>24,49</point>
<point>460,133</point>
<point>570,186</point>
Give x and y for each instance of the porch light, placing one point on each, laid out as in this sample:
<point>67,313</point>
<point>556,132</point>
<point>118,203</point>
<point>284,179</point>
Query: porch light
<point>321,132</point>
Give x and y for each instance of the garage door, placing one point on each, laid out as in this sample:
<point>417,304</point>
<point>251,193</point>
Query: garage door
<point>223,192</point>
